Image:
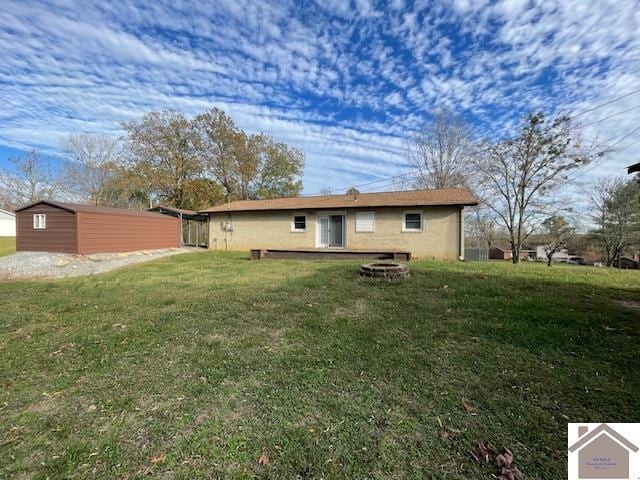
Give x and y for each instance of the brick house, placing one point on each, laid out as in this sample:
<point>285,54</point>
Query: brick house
<point>427,223</point>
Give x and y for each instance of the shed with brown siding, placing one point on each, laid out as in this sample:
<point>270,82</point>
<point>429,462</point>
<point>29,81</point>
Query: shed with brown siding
<point>51,226</point>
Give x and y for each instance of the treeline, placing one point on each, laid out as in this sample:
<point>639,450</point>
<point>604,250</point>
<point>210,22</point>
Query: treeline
<point>165,157</point>
<point>521,183</point>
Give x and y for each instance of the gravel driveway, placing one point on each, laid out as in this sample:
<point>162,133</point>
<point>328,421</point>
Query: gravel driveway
<point>23,265</point>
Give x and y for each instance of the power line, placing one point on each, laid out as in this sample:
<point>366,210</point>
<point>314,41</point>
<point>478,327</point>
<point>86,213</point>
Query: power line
<point>596,164</point>
<point>386,179</point>
<point>606,118</point>
<point>607,103</point>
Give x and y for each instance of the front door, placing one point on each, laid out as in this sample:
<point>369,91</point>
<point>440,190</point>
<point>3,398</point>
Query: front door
<point>331,231</point>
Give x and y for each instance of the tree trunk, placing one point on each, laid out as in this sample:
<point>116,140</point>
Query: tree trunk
<point>549,257</point>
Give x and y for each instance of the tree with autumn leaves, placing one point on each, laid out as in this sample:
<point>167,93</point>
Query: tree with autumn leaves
<point>195,163</point>
<point>192,163</point>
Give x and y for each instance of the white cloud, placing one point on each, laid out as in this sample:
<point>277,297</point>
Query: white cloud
<point>345,81</point>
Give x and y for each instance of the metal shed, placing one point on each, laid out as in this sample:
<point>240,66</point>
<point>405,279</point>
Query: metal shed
<point>76,228</point>
<point>195,227</point>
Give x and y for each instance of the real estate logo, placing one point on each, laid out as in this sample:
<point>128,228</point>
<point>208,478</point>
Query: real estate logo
<point>604,451</point>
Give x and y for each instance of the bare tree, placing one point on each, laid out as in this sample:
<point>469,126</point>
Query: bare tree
<point>483,229</point>
<point>558,232</point>
<point>441,153</point>
<point>517,178</point>
<point>92,161</point>
<point>31,179</point>
<point>615,210</point>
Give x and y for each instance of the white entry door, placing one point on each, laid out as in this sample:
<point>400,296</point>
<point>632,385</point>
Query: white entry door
<point>330,231</point>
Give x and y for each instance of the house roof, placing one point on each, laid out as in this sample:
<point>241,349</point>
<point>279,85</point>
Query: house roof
<point>633,168</point>
<point>8,213</point>
<point>596,432</point>
<point>80,207</point>
<point>410,198</point>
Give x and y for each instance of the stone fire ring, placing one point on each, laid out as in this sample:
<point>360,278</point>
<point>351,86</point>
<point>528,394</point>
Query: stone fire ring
<point>385,270</point>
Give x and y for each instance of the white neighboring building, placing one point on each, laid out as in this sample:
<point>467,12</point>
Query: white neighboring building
<point>562,255</point>
<point>7,224</point>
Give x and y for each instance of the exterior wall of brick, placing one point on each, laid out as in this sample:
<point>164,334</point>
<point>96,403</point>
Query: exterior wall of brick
<point>440,237</point>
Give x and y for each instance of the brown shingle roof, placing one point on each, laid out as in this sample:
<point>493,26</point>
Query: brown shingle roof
<point>410,198</point>
<point>80,207</point>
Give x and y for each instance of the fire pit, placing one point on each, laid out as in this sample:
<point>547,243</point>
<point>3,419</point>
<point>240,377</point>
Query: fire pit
<point>387,270</point>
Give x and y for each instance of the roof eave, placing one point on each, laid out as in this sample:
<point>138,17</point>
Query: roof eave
<point>48,202</point>
<point>303,207</point>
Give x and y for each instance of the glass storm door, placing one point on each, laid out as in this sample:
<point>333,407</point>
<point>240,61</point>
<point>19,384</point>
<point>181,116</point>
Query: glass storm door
<point>331,228</point>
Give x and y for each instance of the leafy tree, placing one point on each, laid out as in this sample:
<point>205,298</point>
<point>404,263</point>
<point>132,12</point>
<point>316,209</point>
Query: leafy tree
<point>161,149</point>
<point>517,177</point>
<point>557,234</point>
<point>353,191</point>
<point>278,171</point>
<point>31,179</point>
<point>441,153</point>
<point>247,166</point>
<point>126,188</point>
<point>202,193</point>
<point>93,160</point>
<point>615,210</point>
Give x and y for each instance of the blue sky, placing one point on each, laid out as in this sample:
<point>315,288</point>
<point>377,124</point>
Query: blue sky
<point>347,82</point>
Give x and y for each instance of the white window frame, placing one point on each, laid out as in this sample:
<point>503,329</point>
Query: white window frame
<point>373,220</point>
<point>39,221</point>
<point>293,224</point>
<point>404,221</point>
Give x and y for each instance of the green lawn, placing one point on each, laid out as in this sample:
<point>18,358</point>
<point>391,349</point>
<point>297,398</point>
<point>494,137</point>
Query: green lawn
<point>196,365</point>
<point>7,245</point>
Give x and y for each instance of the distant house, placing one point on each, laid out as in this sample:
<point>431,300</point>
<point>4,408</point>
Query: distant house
<point>633,168</point>
<point>500,253</point>
<point>561,256</point>
<point>424,223</point>
<point>627,263</point>
<point>602,453</point>
<point>7,224</point>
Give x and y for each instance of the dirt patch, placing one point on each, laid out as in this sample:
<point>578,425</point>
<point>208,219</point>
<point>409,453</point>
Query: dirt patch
<point>28,265</point>
<point>46,405</point>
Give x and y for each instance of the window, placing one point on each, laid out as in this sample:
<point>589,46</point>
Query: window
<point>299,223</point>
<point>412,222</point>
<point>365,222</point>
<point>39,221</point>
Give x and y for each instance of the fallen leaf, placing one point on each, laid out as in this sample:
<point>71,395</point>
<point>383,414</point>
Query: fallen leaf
<point>468,408</point>
<point>448,434</point>
<point>158,458</point>
<point>263,460</point>
<point>483,451</point>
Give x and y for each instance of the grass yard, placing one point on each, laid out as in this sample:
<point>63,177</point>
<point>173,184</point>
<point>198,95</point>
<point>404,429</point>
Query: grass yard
<point>196,365</point>
<point>7,245</point>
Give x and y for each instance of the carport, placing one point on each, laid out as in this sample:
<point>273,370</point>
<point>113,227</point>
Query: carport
<point>195,227</point>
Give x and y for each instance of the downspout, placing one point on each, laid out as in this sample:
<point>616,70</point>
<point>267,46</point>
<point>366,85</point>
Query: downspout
<point>181,230</point>
<point>461,233</point>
